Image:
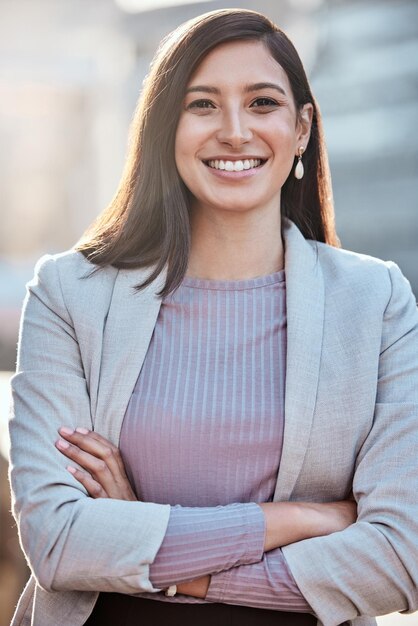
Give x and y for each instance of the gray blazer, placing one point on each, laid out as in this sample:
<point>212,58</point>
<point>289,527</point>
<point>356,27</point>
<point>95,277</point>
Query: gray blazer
<point>351,413</point>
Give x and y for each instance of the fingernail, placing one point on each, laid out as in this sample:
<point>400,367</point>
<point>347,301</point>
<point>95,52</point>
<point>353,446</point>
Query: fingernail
<point>63,444</point>
<point>72,470</point>
<point>81,430</point>
<point>65,430</point>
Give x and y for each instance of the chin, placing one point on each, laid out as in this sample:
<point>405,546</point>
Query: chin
<point>235,207</point>
<point>241,203</point>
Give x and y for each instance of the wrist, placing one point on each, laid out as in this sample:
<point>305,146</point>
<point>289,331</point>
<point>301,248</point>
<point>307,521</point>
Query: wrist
<point>289,522</point>
<point>197,588</point>
<point>286,522</point>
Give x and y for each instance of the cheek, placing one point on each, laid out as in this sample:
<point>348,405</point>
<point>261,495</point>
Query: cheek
<point>282,142</point>
<point>181,166</point>
<point>184,147</point>
<point>179,142</point>
<point>281,132</point>
<point>188,133</point>
<point>284,138</point>
<point>182,155</point>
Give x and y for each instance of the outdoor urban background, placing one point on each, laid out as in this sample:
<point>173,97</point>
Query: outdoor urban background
<point>70,73</point>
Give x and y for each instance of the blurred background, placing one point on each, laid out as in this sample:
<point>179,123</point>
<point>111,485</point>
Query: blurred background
<point>70,74</point>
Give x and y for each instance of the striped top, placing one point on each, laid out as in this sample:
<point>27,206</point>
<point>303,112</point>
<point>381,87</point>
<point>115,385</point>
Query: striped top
<point>203,431</point>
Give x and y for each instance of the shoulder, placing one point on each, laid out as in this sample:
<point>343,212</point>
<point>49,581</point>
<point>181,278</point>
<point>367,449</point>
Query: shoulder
<point>367,283</point>
<point>339,261</point>
<point>71,266</point>
<point>362,271</point>
<point>351,275</point>
<point>340,268</point>
<point>69,278</point>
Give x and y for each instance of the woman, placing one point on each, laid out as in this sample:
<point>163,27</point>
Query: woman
<point>237,410</point>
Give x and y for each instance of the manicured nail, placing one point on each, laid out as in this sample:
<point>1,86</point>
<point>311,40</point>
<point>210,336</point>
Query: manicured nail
<point>72,470</point>
<point>65,430</point>
<point>63,444</point>
<point>81,430</point>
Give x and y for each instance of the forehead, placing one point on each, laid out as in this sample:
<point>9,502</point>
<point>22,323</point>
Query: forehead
<point>240,62</point>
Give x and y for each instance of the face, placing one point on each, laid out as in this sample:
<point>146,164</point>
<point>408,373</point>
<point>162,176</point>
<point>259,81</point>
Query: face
<point>238,130</point>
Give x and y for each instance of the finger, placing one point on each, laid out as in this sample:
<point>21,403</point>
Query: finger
<point>93,488</point>
<point>97,446</point>
<point>106,443</point>
<point>96,467</point>
<point>80,430</point>
<point>85,439</point>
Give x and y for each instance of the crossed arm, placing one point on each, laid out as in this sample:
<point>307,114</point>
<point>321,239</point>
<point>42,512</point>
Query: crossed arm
<point>101,471</point>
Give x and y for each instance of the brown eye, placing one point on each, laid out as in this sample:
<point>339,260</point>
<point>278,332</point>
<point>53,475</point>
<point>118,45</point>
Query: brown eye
<point>201,104</point>
<point>264,102</point>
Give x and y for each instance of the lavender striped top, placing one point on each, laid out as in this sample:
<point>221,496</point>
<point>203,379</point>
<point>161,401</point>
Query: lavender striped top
<point>203,432</point>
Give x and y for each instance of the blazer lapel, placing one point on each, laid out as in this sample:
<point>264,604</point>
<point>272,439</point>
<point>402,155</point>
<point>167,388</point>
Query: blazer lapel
<point>128,331</point>
<point>305,319</point>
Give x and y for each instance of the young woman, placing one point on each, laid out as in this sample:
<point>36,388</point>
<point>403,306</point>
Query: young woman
<point>236,397</point>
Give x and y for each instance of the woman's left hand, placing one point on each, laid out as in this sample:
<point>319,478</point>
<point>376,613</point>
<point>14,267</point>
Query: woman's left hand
<point>103,474</point>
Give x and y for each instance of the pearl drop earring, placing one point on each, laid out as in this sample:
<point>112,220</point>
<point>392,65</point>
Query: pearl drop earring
<point>299,169</point>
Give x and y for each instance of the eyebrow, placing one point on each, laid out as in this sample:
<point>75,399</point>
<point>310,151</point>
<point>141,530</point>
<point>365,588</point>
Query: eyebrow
<point>248,88</point>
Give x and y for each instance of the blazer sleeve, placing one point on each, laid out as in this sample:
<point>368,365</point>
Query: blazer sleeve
<point>71,541</point>
<point>371,568</point>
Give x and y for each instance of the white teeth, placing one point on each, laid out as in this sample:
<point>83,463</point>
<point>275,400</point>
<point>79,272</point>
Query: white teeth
<point>234,166</point>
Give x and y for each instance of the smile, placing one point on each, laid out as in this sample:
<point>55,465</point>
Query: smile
<point>235,166</point>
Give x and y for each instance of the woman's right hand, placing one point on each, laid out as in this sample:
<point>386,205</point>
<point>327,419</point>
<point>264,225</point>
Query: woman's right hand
<point>288,522</point>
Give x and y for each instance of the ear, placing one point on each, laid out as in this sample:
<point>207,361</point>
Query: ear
<point>303,125</point>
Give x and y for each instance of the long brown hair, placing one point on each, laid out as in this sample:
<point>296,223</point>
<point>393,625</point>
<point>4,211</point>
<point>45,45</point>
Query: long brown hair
<point>147,222</point>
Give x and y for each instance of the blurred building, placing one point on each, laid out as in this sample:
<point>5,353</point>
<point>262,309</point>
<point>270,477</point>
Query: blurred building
<point>366,80</point>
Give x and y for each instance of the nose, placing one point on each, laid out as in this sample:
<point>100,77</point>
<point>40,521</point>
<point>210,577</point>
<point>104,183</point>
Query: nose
<point>234,129</point>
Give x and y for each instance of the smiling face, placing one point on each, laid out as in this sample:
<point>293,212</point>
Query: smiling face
<point>238,130</point>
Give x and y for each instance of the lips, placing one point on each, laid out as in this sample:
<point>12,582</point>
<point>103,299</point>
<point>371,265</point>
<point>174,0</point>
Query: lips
<point>237,165</point>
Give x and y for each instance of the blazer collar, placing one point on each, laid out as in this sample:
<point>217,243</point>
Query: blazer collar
<point>130,324</point>
<point>305,320</point>
<point>128,331</point>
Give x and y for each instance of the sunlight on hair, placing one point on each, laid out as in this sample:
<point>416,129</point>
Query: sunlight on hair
<point>136,6</point>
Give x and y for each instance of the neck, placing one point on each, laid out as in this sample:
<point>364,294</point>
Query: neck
<point>235,246</point>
